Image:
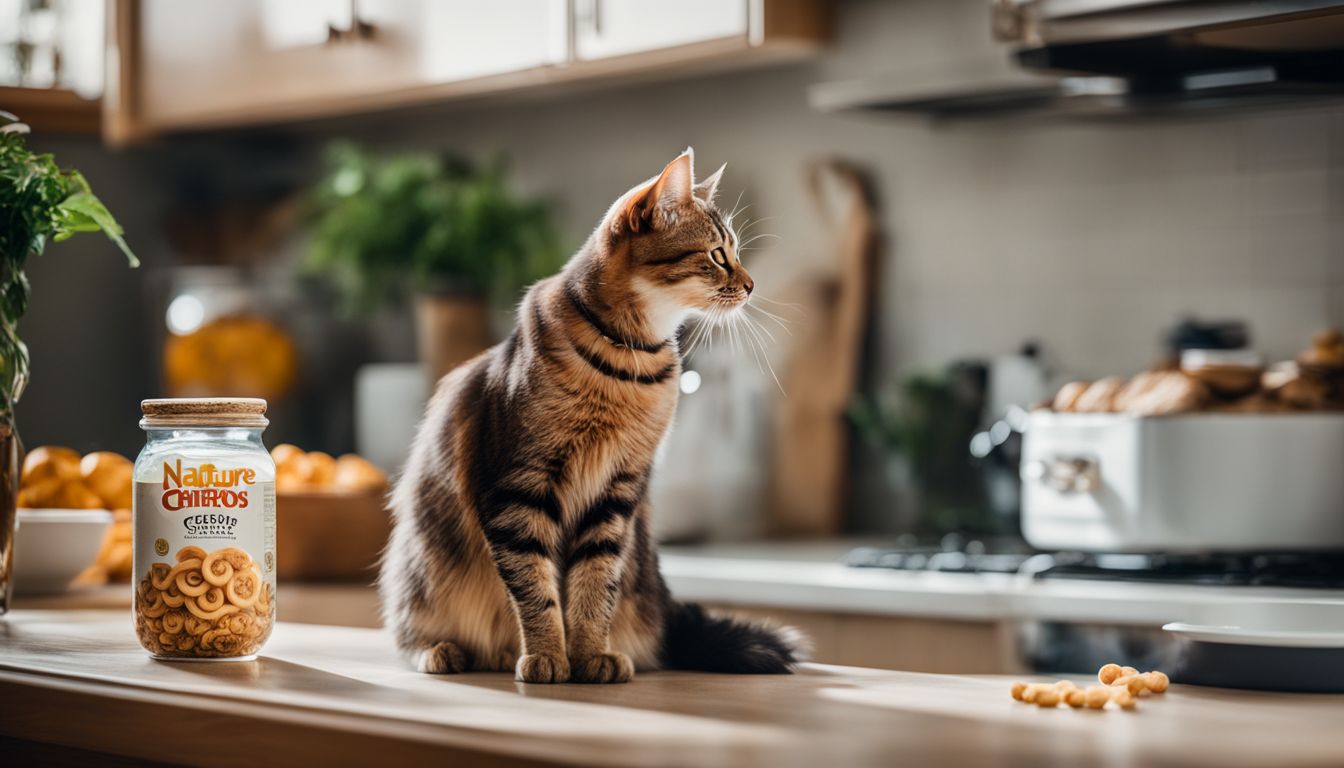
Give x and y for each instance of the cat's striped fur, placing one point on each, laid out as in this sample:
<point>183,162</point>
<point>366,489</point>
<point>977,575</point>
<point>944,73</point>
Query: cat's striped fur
<point>521,538</point>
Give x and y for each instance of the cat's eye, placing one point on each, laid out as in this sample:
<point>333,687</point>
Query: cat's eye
<point>719,257</point>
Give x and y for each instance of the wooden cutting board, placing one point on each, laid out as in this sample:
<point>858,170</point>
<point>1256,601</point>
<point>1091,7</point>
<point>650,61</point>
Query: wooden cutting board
<point>810,450</point>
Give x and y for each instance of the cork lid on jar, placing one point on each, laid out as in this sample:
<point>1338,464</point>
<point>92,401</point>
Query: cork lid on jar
<point>247,412</point>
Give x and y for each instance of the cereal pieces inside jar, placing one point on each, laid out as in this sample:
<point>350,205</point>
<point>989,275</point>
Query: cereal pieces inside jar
<point>204,605</point>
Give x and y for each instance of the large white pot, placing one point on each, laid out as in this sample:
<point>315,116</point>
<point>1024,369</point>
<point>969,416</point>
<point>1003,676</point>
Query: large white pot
<point>1191,483</point>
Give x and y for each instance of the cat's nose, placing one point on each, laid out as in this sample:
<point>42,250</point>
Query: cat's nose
<point>748,286</point>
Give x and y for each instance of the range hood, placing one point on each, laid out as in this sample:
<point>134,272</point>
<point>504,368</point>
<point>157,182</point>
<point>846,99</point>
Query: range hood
<point>1128,56</point>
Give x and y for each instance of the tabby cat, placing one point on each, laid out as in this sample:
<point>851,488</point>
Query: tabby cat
<point>521,537</point>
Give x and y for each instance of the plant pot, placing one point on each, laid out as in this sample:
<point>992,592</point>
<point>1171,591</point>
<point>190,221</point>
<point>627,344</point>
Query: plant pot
<point>9,495</point>
<point>452,329</point>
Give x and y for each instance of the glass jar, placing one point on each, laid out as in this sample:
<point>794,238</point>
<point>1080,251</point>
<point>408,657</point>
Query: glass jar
<point>204,519</point>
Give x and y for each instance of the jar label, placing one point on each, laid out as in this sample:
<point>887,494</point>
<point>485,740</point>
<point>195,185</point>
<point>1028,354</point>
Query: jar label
<point>204,559</point>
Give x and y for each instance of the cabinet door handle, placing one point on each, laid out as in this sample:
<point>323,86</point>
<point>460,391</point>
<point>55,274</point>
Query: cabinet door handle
<point>589,12</point>
<point>359,29</point>
<point>1007,20</point>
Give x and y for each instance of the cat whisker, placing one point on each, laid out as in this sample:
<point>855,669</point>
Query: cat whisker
<point>701,328</point>
<point>754,238</point>
<point>782,391</point>
<point>685,345</point>
<point>784,304</point>
<point>735,210</point>
<point>745,209</point>
<point>752,347</point>
<point>753,333</point>
<point>781,322</point>
<point>732,337</point>
<point>692,337</point>
<point>768,333</point>
<point>753,222</point>
<point>716,323</point>
<point>758,329</point>
<point>704,329</point>
<point>738,232</point>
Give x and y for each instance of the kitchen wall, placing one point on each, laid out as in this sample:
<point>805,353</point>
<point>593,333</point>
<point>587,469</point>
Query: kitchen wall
<point>86,326</point>
<point>94,327</point>
<point>1091,237</point>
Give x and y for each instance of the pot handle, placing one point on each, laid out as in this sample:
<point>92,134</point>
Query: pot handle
<point>1067,474</point>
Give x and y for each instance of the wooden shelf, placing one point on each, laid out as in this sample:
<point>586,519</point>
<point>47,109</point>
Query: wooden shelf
<point>53,110</point>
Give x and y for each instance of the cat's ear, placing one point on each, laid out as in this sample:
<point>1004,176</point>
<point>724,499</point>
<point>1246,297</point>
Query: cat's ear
<point>707,189</point>
<point>650,205</point>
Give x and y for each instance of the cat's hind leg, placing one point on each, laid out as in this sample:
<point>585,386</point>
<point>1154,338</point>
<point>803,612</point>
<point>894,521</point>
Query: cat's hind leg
<point>419,641</point>
<point>442,658</point>
<point>445,657</point>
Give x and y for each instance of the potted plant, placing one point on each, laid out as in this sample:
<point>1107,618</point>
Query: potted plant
<point>923,424</point>
<point>39,203</point>
<point>447,229</point>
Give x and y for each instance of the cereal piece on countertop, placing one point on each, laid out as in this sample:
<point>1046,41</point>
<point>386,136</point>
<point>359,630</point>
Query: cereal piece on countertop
<point>1096,696</point>
<point>1157,682</point>
<point>1108,672</point>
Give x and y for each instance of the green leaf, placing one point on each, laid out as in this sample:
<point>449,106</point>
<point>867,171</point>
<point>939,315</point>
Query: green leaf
<point>39,203</point>
<point>74,222</point>
<point>86,213</point>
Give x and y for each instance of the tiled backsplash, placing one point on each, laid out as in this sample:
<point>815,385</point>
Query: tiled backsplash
<point>1096,238</point>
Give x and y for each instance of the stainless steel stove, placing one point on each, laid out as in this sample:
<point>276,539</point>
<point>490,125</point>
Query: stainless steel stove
<point>1301,570</point>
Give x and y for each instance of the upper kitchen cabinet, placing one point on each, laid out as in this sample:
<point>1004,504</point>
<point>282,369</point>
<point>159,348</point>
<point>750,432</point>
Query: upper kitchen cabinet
<point>693,29</point>
<point>231,62</point>
<point>605,28</point>
<point>220,63</point>
<point>51,64</point>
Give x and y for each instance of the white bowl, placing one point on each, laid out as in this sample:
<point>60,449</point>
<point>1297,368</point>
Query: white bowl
<point>53,546</point>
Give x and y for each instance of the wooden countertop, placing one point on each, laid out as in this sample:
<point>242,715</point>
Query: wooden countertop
<point>338,696</point>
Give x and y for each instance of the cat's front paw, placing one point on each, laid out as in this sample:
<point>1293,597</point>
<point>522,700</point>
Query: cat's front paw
<point>542,668</point>
<point>603,668</point>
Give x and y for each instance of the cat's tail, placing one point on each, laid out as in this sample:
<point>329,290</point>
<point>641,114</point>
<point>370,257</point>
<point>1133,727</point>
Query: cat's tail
<point>693,639</point>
